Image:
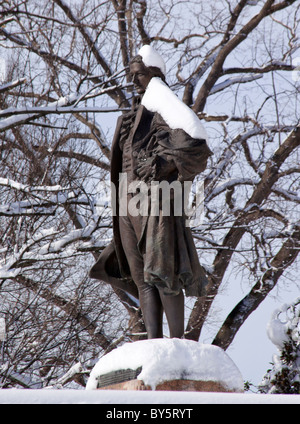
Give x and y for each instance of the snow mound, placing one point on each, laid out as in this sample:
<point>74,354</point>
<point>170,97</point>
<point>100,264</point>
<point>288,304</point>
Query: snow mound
<point>160,98</point>
<point>170,359</point>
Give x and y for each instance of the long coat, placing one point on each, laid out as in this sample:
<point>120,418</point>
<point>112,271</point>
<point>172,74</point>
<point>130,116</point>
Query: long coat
<point>170,256</point>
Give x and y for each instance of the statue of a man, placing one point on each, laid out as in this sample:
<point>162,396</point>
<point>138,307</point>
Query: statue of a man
<point>153,256</point>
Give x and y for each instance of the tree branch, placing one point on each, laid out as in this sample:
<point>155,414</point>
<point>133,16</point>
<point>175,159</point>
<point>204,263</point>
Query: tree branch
<point>140,21</point>
<point>118,96</point>
<point>216,71</point>
<point>274,66</point>
<point>68,307</point>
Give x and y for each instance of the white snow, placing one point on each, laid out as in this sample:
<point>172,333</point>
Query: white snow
<point>160,98</point>
<point>6,273</point>
<point>234,80</point>
<point>19,186</point>
<point>170,359</point>
<point>152,58</point>
<point>9,85</point>
<point>281,323</point>
<point>277,329</point>
<point>129,397</point>
<point>218,364</point>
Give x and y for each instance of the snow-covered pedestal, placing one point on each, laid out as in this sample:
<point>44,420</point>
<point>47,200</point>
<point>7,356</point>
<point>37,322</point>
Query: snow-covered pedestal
<point>169,364</point>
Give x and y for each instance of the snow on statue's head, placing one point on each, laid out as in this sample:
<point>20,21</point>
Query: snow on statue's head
<point>152,60</point>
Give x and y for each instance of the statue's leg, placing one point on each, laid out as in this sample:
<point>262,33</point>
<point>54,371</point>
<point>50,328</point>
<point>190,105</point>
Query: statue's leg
<point>149,297</point>
<point>152,310</point>
<point>174,310</point>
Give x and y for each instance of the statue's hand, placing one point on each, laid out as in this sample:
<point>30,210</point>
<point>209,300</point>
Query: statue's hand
<point>154,167</point>
<point>146,167</point>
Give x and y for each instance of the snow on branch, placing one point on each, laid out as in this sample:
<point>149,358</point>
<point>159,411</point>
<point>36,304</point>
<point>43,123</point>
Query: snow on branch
<point>45,203</point>
<point>205,65</point>
<point>26,208</point>
<point>15,116</point>
<point>42,206</point>
<point>229,152</point>
<point>235,80</point>
<point>73,236</point>
<point>22,187</point>
<point>74,372</point>
<point>46,110</point>
<point>286,194</point>
<point>220,188</point>
<point>12,84</point>
<point>69,245</point>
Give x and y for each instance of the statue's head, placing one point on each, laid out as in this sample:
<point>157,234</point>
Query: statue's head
<point>146,65</point>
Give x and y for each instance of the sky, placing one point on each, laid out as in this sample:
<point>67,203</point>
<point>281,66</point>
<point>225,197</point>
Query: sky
<point>251,349</point>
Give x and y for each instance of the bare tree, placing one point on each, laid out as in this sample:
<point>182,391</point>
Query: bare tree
<point>65,77</point>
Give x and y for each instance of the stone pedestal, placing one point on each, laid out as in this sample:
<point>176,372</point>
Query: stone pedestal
<point>172,385</point>
<point>166,365</point>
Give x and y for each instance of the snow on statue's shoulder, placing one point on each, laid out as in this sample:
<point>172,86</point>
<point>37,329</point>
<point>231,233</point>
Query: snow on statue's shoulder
<point>160,98</point>
<point>170,359</point>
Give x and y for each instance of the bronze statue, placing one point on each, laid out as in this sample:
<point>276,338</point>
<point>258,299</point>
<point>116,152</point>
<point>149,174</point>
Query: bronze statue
<point>153,256</point>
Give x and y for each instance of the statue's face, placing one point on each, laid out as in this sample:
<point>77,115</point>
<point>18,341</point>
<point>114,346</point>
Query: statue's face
<point>141,76</point>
